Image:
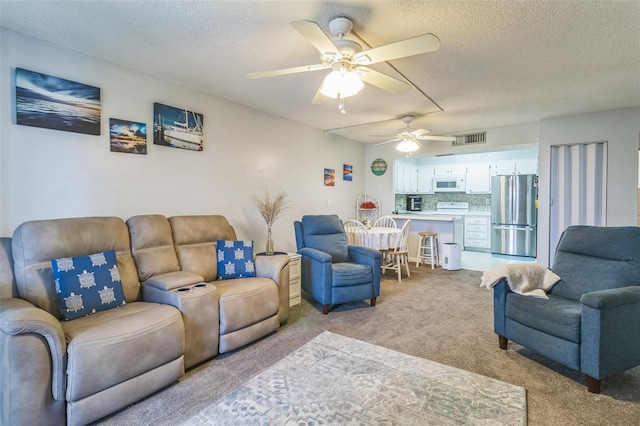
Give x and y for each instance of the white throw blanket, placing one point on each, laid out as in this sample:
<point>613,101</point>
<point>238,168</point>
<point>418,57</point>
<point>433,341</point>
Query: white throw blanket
<point>526,278</point>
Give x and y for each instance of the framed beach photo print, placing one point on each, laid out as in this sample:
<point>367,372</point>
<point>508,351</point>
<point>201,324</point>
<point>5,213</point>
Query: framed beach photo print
<point>127,136</point>
<point>329,177</point>
<point>178,128</point>
<point>347,172</point>
<point>55,103</point>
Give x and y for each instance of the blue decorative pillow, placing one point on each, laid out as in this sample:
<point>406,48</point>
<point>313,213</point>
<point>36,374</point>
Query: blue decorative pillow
<point>87,284</point>
<point>235,259</point>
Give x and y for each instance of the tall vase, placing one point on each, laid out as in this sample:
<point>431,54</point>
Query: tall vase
<point>269,249</point>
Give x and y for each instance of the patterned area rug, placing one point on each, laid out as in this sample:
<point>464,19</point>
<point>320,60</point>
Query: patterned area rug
<point>334,379</point>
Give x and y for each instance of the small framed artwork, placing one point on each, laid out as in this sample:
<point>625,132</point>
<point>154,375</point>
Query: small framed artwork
<point>127,136</point>
<point>178,128</point>
<point>347,172</point>
<point>55,103</point>
<point>329,177</point>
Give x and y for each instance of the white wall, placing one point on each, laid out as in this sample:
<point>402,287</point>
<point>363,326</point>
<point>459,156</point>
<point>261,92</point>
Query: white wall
<point>620,129</point>
<point>47,174</point>
<point>481,157</point>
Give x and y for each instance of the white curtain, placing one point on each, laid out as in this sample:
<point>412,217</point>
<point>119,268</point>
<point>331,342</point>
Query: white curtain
<point>578,188</point>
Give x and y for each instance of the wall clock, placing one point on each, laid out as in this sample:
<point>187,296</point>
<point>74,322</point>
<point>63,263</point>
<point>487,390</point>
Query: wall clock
<point>378,167</point>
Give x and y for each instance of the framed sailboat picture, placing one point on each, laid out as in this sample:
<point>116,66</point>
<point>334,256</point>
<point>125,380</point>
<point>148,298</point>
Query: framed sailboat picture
<point>55,103</point>
<point>177,127</point>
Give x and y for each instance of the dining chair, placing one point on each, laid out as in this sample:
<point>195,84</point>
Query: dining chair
<point>394,258</point>
<point>357,233</point>
<point>385,222</point>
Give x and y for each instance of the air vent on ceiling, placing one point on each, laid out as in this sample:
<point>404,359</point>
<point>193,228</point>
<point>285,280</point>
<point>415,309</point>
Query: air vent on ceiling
<point>470,139</point>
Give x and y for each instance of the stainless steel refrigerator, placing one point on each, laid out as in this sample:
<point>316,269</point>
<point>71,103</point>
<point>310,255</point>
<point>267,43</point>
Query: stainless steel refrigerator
<point>514,215</point>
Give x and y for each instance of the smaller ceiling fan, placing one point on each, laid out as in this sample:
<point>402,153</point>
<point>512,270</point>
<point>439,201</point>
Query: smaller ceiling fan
<point>410,138</point>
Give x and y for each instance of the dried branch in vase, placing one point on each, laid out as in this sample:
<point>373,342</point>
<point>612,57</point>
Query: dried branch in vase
<point>271,206</point>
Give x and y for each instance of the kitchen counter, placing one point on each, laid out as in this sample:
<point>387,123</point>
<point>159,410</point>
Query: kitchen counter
<point>412,215</point>
<point>426,216</point>
<point>448,227</point>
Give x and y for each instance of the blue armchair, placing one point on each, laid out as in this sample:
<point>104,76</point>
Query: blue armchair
<point>332,271</point>
<point>591,321</point>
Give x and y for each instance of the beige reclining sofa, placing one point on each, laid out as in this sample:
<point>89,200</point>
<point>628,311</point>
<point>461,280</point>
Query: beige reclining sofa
<point>177,314</point>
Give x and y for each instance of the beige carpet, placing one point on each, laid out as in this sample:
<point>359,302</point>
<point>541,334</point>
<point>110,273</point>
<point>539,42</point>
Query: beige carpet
<point>336,380</point>
<point>442,316</point>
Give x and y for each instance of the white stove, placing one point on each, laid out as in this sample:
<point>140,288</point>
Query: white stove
<point>452,207</point>
<point>448,208</point>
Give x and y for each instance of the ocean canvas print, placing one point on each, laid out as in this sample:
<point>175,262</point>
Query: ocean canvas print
<point>127,136</point>
<point>347,172</point>
<point>329,177</point>
<point>178,128</point>
<point>55,103</point>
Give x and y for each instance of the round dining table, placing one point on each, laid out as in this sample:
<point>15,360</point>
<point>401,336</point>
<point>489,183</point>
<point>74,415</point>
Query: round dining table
<point>383,238</point>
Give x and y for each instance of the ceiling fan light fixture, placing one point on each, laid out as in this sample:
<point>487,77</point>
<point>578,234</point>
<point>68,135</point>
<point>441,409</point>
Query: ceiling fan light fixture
<point>408,145</point>
<point>341,83</point>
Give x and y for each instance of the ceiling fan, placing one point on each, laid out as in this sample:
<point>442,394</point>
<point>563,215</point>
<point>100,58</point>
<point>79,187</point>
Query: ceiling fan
<point>410,138</point>
<point>348,61</point>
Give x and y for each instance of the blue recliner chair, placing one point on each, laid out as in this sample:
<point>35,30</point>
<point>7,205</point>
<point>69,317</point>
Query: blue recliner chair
<point>332,271</point>
<point>591,321</point>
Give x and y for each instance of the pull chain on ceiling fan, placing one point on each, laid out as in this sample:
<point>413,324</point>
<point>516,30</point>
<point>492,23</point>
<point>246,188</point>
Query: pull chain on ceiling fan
<point>348,62</point>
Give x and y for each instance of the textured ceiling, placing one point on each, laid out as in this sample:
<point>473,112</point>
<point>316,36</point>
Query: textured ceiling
<point>499,63</point>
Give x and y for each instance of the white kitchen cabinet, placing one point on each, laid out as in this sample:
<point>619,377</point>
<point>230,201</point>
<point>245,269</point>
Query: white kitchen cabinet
<point>503,168</point>
<point>479,178</point>
<point>399,176</point>
<point>527,166</point>
<point>425,175</point>
<point>411,178</point>
<point>477,232</point>
<point>450,169</point>
<point>295,295</point>
<point>406,177</point>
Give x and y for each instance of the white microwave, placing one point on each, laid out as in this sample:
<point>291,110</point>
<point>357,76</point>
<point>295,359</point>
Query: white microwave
<point>449,183</point>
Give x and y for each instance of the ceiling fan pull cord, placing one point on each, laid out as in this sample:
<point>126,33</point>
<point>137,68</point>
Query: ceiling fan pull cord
<point>341,104</point>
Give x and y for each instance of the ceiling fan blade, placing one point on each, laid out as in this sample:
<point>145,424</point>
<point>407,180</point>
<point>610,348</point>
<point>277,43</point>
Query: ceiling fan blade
<point>436,138</point>
<point>420,132</point>
<point>412,46</point>
<point>390,140</point>
<point>383,81</point>
<point>314,35</point>
<point>285,71</point>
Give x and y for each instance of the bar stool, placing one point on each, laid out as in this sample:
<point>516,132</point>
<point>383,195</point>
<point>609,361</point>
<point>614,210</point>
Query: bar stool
<point>427,249</point>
